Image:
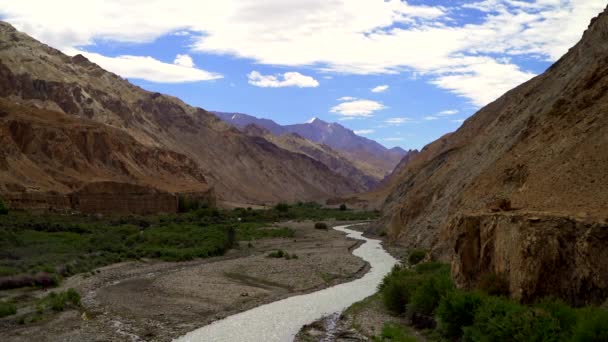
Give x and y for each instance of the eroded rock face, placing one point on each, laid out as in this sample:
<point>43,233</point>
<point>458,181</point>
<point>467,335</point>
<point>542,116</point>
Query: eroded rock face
<point>112,198</point>
<point>539,255</point>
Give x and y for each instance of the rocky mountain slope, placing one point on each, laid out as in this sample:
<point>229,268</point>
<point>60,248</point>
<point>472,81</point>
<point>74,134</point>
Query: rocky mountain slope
<point>520,189</point>
<point>241,168</point>
<point>365,154</point>
<point>320,152</point>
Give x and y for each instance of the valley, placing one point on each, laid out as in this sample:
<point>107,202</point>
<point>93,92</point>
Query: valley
<point>451,186</point>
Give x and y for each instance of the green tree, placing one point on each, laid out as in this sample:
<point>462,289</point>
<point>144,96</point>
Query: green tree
<point>3,208</point>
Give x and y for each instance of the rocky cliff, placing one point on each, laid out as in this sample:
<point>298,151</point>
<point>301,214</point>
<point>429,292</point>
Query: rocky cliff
<point>239,167</point>
<point>540,148</point>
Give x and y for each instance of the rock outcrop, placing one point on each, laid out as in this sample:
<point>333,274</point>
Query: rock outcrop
<point>121,198</point>
<point>538,254</point>
<point>539,148</point>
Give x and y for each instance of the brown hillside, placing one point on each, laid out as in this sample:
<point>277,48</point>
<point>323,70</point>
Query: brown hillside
<point>538,151</point>
<point>239,167</point>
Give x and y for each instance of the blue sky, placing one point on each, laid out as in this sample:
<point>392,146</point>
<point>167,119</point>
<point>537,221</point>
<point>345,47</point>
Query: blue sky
<point>400,72</point>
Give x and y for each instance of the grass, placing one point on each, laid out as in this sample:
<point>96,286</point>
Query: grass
<point>395,333</point>
<point>426,293</point>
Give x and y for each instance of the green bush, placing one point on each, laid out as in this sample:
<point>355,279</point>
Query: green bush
<point>343,207</point>
<point>321,225</point>
<point>279,253</point>
<point>282,207</point>
<point>566,315</point>
<point>432,289</point>
<point>3,208</point>
<point>7,309</point>
<point>419,290</point>
<point>186,204</point>
<point>416,256</point>
<point>60,300</point>
<point>456,311</point>
<point>500,319</point>
<point>592,325</point>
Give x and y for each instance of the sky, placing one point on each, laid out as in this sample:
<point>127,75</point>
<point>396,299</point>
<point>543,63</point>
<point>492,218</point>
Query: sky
<point>402,73</point>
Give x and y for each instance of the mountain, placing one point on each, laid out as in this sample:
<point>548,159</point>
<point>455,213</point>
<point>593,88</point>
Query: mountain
<point>242,120</point>
<point>367,155</point>
<point>100,127</point>
<point>320,152</point>
<point>520,189</point>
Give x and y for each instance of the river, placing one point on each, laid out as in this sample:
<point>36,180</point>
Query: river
<point>280,321</point>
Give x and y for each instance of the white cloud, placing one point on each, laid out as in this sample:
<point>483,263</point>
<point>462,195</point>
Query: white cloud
<point>430,118</point>
<point>380,89</point>
<point>398,121</point>
<point>356,36</point>
<point>288,79</point>
<point>364,131</point>
<point>458,120</point>
<point>184,60</point>
<point>358,108</point>
<point>347,98</point>
<point>448,112</point>
<point>393,139</point>
<point>150,69</point>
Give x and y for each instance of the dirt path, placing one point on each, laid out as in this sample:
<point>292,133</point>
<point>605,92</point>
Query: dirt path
<point>158,301</point>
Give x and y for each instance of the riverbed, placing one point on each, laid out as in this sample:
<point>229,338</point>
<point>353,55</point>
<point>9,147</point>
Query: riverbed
<point>281,320</point>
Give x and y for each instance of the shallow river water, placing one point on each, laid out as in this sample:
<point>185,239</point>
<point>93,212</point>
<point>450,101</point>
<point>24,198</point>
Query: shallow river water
<point>281,320</point>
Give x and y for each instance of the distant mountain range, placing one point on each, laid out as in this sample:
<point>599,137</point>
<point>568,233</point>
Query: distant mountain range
<point>373,159</point>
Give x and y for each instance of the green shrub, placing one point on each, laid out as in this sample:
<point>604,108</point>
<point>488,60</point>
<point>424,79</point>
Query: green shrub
<point>493,284</point>
<point>456,311</point>
<point>279,253</point>
<point>592,325</point>
<point>394,333</point>
<point>397,289</point>
<point>566,315</point>
<point>7,309</point>
<point>432,267</point>
<point>343,207</point>
<point>321,225</point>
<point>500,319</point>
<point>282,207</point>
<point>3,208</point>
<point>416,256</point>
<point>432,288</point>
<point>58,301</point>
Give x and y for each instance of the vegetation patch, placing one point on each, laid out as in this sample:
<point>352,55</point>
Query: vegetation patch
<point>3,208</point>
<point>279,253</point>
<point>395,333</point>
<point>7,309</point>
<point>426,294</point>
<point>416,256</point>
<point>321,225</point>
